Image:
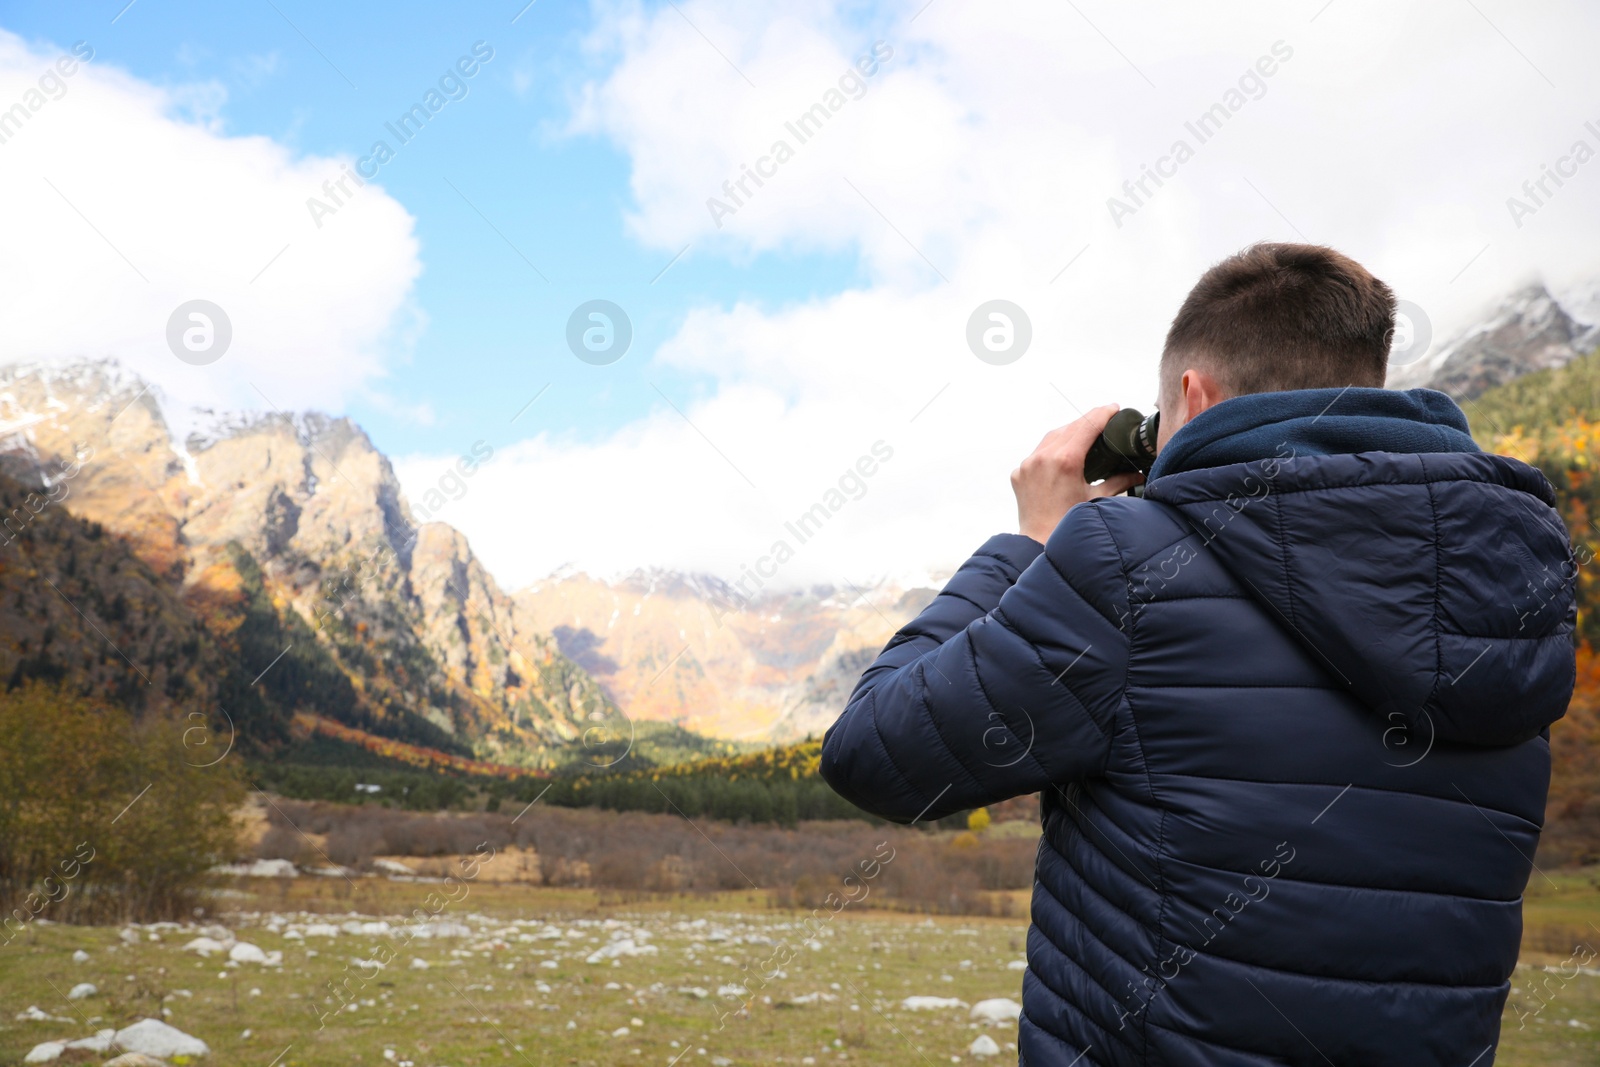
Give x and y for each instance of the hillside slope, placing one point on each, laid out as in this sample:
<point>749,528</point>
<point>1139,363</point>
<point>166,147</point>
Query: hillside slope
<point>1551,420</point>
<point>686,649</point>
<point>290,538</point>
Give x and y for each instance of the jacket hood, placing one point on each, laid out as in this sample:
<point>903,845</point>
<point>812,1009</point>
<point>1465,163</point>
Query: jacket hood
<point>1434,581</point>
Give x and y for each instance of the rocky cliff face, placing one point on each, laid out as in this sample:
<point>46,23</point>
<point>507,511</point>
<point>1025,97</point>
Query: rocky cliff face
<point>1530,331</point>
<point>290,537</point>
<point>687,649</point>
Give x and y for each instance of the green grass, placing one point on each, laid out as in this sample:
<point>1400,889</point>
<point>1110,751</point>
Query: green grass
<point>479,1001</point>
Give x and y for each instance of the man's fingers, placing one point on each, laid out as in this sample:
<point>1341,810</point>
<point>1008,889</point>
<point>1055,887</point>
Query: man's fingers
<point>1117,483</point>
<point>1079,435</point>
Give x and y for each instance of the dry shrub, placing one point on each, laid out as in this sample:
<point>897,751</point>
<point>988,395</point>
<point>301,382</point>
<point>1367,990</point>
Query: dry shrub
<point>638,852</point>
<point>105,818</point>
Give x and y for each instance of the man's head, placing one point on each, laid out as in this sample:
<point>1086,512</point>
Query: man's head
<point>1274,317</point>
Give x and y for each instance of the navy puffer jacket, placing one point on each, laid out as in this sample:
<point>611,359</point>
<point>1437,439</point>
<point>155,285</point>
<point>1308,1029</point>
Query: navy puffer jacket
<point>1288,718</point>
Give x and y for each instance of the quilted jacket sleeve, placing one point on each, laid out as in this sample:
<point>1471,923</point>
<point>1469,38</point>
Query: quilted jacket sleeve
<point>1008,682</point>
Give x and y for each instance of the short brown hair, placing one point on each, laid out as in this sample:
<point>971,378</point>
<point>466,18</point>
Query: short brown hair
<point>1276,317</point>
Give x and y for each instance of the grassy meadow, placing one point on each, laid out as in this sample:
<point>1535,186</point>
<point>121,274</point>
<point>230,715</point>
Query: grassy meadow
<point>504,977</point>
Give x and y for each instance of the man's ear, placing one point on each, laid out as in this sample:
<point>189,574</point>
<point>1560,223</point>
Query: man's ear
<point>1199,391</point>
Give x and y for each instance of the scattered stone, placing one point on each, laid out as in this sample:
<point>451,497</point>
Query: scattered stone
<point>100,1042</point>
<point>392,867</point>
<point>259,869</point>
<point>80,956</point>
<point>997,1010</point>
<point>984,1045</point>
<point>135,1059</point>
<point>152,1037</point>
<point>205,946</point>
<point>931,1003</point>
<point>245,952</point>
<point>46,1052</point>
<point>418,964</point>
<point>82,990</point>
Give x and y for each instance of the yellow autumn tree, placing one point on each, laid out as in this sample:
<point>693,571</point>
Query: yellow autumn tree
<point>104,817</point>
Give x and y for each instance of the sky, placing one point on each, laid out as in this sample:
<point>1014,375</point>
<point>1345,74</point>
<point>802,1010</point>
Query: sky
<point>444,220</point>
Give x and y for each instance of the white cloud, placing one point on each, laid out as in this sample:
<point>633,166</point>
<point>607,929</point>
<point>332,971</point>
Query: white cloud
<point>977,164</point>
<point>131,199</point>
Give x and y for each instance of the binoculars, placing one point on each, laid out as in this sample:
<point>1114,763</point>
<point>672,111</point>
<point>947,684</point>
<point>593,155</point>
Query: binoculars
<point>1126,446</point>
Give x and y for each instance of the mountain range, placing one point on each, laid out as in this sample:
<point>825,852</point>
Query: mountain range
<point>271,566</point>
<point>287,540</point>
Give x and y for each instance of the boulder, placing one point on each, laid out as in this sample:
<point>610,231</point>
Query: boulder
<point>245,952</point>
<point>983,1045</point>
<point>931,1003</point>
<point>997,1010</point>
<point>205,946</point>
<point>152,1037</point>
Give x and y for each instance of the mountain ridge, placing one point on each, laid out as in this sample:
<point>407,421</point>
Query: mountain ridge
<point>303,514</point>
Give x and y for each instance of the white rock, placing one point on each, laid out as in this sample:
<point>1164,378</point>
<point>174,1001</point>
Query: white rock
<point>621,1031</point>
<point>931,1003</point>
<point>80,956</point>
<point>100,1042</point>
<point>694,991</point>
<point>205,946</point>
<point>443,928</point>
<point>1017,965</point>
<point>998,1010</point>
<point>46,1052</point>
<point>129,936</point>
<point>81,990</point>
<point>245,952</point>
<point>623,946</point>
<point>418,964</point>
<point>152,1037</point>
<point>983,1045</point>
<point>551,964</point>
<point>321,930</point>
<point>259,869</point>
<point>392,867</point>
<point>34,1015</point>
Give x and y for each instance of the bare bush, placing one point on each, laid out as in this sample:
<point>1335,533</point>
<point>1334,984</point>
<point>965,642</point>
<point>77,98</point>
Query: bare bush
<point>636,852</point>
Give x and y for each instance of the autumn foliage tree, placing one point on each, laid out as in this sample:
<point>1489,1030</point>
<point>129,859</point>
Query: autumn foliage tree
<point>104,817</point>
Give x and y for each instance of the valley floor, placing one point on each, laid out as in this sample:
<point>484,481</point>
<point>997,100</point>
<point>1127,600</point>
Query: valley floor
<point>512,974</point>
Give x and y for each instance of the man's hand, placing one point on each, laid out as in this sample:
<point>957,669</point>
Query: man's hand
<point>1051,480</point>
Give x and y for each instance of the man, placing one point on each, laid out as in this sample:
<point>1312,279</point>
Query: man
<point>1287,714</point>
